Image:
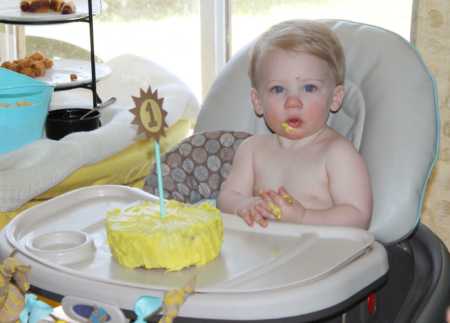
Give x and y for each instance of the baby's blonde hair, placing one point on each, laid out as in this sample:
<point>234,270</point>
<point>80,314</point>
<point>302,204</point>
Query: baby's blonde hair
<point>301,36</point>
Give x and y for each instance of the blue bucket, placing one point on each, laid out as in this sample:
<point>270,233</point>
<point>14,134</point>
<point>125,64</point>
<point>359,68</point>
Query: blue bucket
<point>23,109</point>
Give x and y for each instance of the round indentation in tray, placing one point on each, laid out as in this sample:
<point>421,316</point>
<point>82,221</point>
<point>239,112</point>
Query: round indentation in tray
<point>62,247</point>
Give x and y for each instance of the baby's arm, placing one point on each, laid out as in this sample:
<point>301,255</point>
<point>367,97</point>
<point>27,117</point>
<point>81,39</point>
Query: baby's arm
<point>236,194</point>
<point>350,189</point>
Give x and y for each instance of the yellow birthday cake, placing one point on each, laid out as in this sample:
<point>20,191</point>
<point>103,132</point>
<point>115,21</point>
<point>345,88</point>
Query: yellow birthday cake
<point>186,235</point>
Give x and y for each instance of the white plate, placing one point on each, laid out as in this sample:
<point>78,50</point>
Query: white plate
<point>10,11</point>
<point>59,75</point>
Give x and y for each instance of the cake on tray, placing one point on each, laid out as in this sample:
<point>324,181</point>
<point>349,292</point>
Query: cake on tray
<point>186,235</point>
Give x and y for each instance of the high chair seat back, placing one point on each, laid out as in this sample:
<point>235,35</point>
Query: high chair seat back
<point>389,113</point>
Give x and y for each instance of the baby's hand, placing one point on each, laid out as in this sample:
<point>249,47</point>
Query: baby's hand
<point>249,212</point>
<point>281,206</point>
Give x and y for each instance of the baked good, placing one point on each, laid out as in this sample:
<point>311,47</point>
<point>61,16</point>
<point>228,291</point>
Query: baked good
<point>56,5</point>
<point>25,5</point>
<point>186,235</point>
<point>62,6</point>
<point>68,7</point>
<point>34,65</point>
<point>35,5</point>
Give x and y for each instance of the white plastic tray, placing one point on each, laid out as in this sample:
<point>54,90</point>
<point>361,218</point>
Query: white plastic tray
<point>279,258</point>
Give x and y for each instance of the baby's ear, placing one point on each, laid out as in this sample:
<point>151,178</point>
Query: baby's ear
<point>338,97</point>
<point>256,102</point>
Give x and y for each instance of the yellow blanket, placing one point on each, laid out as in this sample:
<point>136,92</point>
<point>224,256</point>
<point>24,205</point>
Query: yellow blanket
<point>128,167</point>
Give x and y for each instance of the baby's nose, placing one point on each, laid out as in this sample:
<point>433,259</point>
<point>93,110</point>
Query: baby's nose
<point>293,101</point>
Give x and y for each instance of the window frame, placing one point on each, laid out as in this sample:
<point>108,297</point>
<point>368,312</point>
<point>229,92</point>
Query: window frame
<point>13,37</point>
<point>215,40</point>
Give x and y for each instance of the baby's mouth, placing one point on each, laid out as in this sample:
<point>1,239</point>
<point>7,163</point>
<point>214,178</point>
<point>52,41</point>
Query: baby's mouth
<point>291,124</point>
<point>294,122</point>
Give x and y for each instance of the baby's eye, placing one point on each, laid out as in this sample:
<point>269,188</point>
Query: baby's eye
<point>310,88</point>
<point>277,89</point>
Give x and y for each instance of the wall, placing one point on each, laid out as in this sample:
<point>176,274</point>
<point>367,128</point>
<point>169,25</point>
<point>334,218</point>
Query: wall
<point>431,36</point>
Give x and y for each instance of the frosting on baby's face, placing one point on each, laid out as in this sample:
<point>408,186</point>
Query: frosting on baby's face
<point>287,127</point>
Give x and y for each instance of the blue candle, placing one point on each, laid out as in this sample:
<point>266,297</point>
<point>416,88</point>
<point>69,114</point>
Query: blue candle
<point>162,206</point>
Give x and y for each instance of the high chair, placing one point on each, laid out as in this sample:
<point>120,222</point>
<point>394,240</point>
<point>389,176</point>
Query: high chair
<point>390,113</point>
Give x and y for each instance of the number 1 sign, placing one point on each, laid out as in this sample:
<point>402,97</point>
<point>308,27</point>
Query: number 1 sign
<point>150,119</point>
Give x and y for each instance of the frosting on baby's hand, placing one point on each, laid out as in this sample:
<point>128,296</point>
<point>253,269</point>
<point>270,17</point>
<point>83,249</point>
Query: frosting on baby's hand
<point>275,210</point>
<point>289,199</point>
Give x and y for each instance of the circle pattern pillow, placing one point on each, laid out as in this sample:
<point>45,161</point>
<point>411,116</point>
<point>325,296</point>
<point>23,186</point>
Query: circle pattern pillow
<point>196,168</point>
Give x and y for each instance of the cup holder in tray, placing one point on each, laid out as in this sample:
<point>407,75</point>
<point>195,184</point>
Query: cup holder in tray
<point>62,247</point>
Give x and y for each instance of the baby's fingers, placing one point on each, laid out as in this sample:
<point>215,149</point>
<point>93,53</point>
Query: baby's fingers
<point>246,215</point>
<point>258,218</point>
<point>267,198</point>
<point>276,198</point>
<point>264,212</point>
<point>272,204</point>
<point>285,195</point>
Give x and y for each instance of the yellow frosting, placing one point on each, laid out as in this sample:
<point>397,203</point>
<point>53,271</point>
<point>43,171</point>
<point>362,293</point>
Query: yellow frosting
<point>287,127</point>
<point>276,211</point>
<point>187,235</point>
<point>289,199</point>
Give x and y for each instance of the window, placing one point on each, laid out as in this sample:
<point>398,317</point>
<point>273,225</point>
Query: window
<point>171,32</point>
<point>164,31</point>
<point>251,17</point>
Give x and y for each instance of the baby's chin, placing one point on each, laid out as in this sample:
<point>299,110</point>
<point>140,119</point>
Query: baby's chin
<point>293,130</point>
<point>289,133</point>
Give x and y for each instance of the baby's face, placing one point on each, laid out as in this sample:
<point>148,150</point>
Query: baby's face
<point>295,93</point>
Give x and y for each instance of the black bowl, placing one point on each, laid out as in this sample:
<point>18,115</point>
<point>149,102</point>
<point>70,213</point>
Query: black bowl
<point>61,122</point>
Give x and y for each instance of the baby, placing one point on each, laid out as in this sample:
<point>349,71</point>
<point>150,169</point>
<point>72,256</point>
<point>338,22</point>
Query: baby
<point>304,172</point>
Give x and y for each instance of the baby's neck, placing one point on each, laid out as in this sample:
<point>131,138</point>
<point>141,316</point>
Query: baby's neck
<point>287,143</point>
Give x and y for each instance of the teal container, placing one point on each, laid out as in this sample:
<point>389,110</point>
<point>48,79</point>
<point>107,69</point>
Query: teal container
<point>24,105</point>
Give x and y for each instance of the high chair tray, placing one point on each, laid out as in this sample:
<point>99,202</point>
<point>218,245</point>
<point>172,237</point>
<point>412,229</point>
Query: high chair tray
<point>261,273</point>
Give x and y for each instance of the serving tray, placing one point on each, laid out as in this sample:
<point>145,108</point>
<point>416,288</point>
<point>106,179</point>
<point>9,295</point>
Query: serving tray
<point>59,75</point>
<point>10,13</point>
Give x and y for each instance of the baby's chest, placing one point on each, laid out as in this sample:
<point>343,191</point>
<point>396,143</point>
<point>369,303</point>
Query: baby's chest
<point>303,171</point>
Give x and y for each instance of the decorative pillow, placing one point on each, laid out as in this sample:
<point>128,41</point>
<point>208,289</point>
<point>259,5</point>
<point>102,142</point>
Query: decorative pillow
<point>196,168</point>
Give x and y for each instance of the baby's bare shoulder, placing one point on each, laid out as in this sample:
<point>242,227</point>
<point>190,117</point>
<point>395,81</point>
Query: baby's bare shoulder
<point>341,157</point>
<point>337,144</point>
